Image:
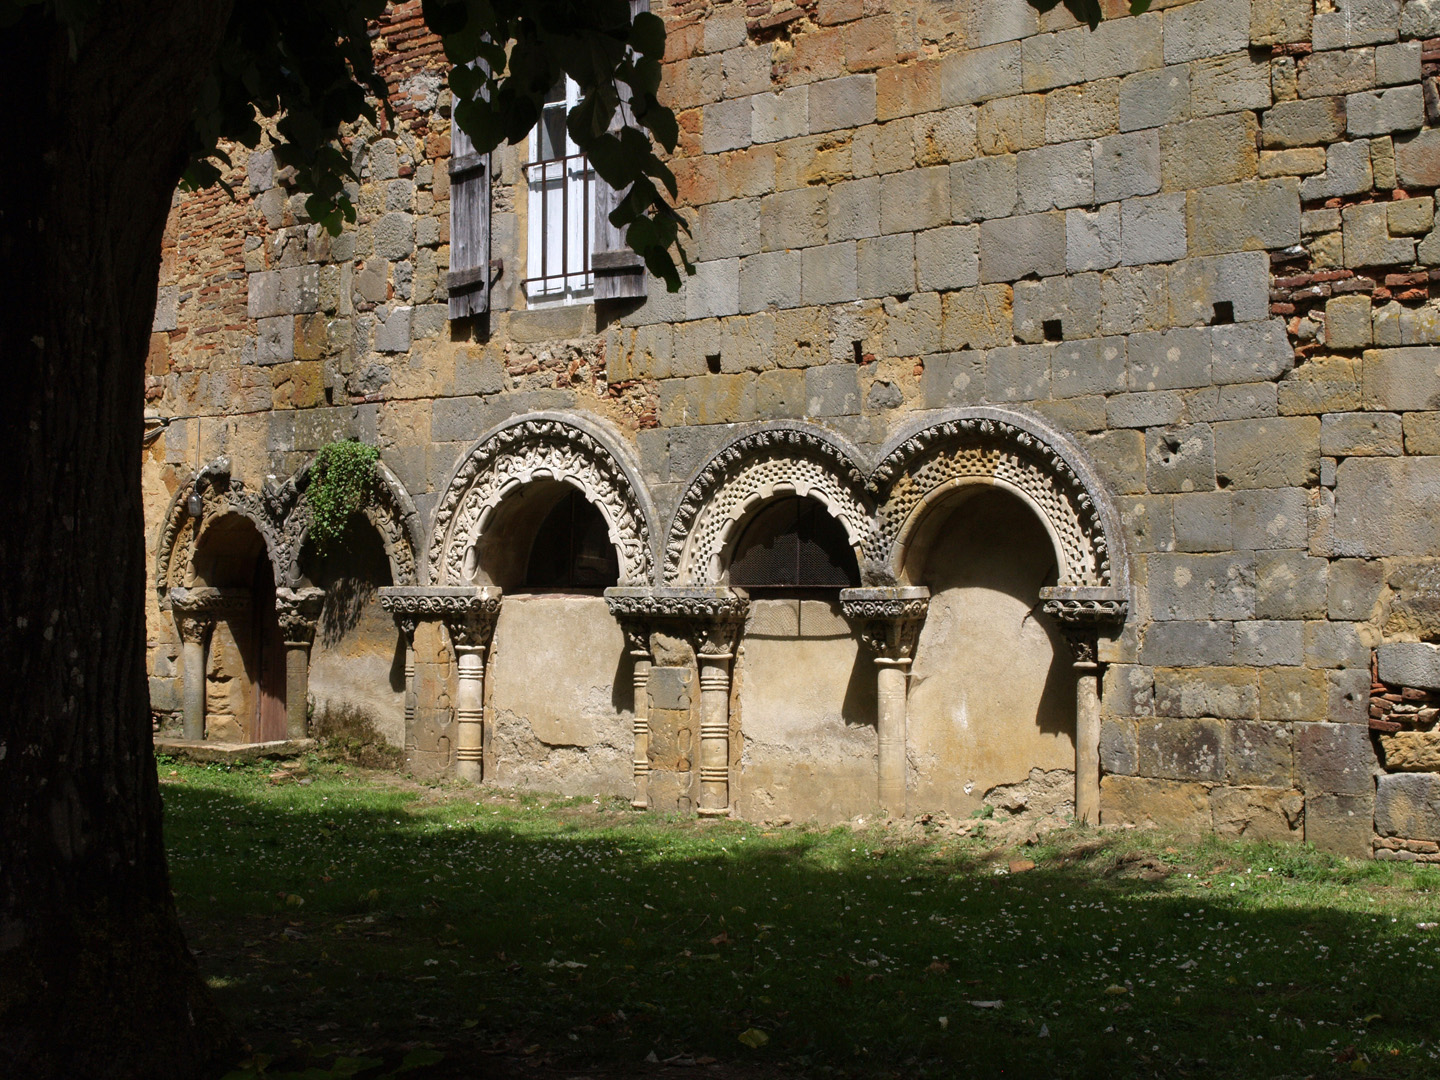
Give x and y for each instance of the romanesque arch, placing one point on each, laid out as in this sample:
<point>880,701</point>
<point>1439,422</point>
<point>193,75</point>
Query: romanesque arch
<point>543,447</point>
<point>777,459</point>
<point>282,515</point>
<point>930,458</point>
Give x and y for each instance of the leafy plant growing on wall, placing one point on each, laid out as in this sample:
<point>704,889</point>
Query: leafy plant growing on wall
<point>340,483</point>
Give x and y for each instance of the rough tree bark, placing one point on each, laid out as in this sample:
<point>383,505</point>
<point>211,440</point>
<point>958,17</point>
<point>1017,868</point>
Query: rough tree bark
<point>95,976</point>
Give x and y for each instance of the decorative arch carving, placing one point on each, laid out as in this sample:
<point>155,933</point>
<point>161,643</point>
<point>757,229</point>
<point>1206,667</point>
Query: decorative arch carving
<point>544,446</point>
<point>1015,451</point>
<point>282,516</point>
<point>778,459</point>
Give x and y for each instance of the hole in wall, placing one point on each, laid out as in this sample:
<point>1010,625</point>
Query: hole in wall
<point>712,362</point>
<point>1052,329</point>
<point>1224,313</point>
<point>858,348</point>
<point>329,395</point>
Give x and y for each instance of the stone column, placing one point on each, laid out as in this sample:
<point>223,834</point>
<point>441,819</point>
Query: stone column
<point>299,611</point>
<point>469,613</point>
<point>1083,614</point>
<point>712,617</point>
<point>637,641</point>
<point>889,621</point>
<point>195,611</point>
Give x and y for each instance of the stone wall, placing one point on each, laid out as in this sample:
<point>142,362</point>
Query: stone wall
<point>1200,241</point>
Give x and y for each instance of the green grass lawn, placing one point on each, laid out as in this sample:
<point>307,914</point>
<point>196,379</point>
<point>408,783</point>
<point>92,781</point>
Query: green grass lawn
<point>344,912</point>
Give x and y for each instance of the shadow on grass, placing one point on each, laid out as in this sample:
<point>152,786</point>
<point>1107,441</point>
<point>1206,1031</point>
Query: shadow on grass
<point>345,918</point>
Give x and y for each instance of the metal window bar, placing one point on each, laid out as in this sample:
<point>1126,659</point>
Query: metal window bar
<point>571,275</point>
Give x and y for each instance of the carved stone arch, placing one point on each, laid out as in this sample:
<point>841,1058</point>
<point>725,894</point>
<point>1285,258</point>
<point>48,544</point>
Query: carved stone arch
<point>545,446</point>
<point>1014,450</point>
<point>777,459</point>
<point>388,508</point>
<point>220,494</point>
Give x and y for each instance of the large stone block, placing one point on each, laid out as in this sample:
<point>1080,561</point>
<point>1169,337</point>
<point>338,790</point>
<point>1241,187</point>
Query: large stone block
<point>913,325</point>
<point>1180,749</point>
<point>885,266</point>
<point>1056,176</point>
<point>1289,585</point>
<point>1006,125</point>
<point>1349,170</point>
<point>1242,280</point>
<point>1206,28</point>
<point>1180,458</point>
<point>948,258</point>
<point>1086,111</point>
<point>1227,84</point>
<point>1410,663</point>
<point>1335,645</point>
<point>1279,22</point>
<point>987,187</point>
<point>1018,373</point>
<point>1417,159</point>
<point>1368,241</point>
<point>1050,60</point>
<point>1349,696</point>
<point>1138,800</point>
<point>1213,150</point>
<point>1258,752</point>
<point>1308,122</point>
<point>1325,384</point>
<point>1133,298</point>
<point>1276,814</point>
<point>979,318</point>
<point>1171,360</point>
<point>1401,379</point>
<point>1151,99</point>
<point>1387,506</point>
<point>915,199</point>
<point>1356,22</point>
<point>1249,216</point>
<point>1335,759</point>
<point>1293,693</point>
<point>785,115</point>
<point>980,74</point>
<point>1117,747</point>
<point>1088,366</point>
<point>670,687</point>
<point>1402,751</point>
<point>1129,690</point>
<point>1148,409</point>
<point>1408,805</point>
<point>1354,588</point>
<point>1200,587</point>
<point>726,125</point>
<point>1356,434</point>
<point>1015,247</point>
<point>1340,824</point>
<point>1152,230</point>
<point>1380,112</point>
<point>1202,521</point>
<point>1181,644</point>
<point>1092,239</point>
<point>1265,643</point>
<point>1268,452</point>
<point>1248,352</point>
<point>1126,165</point>
<point>1225,692</point>
<point>828,274</point>
<point>847,102</point>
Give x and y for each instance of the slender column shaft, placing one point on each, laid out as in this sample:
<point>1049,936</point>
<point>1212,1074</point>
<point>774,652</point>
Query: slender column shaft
<point>714,734</point>
<point>409,685</point>
<point>193,660</point>
<point>641,801</point>
<point>1087,743</point>
<point>470,713</point>
<point>890,684</point>
<point>297,688</point>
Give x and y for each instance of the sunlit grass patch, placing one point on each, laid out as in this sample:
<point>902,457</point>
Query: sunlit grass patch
<point>351,909</point>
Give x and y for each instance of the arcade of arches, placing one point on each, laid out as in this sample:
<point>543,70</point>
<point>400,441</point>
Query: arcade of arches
<point>803,632</point>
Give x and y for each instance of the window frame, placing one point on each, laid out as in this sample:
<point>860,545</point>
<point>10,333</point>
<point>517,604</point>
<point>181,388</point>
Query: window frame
<point>560,227</point>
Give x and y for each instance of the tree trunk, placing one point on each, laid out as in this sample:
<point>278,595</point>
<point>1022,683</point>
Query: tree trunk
<point>95,975</point>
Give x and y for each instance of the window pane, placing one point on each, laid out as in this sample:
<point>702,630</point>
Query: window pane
<point>793,543</point>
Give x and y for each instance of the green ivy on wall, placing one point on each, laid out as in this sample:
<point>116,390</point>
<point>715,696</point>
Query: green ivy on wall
<point>340,483</point>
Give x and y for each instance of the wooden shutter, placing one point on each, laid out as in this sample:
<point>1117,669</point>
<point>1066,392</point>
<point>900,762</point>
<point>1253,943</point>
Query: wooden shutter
<point>469,277</point>
<point>619,272</point>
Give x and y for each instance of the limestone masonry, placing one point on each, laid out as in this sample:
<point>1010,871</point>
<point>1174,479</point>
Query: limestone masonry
<point>1052,422</point>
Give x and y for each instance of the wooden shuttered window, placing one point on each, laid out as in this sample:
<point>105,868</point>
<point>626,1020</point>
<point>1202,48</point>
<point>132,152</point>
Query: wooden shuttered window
<point>469,277</point>
<point>619,273</point>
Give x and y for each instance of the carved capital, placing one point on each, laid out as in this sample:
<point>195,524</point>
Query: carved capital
<point>197,609</point>
<point>1083,614</point>
<point>888,620</point>
<point>468,611</point>
<point>711,616</point>
<point>299,611</point>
